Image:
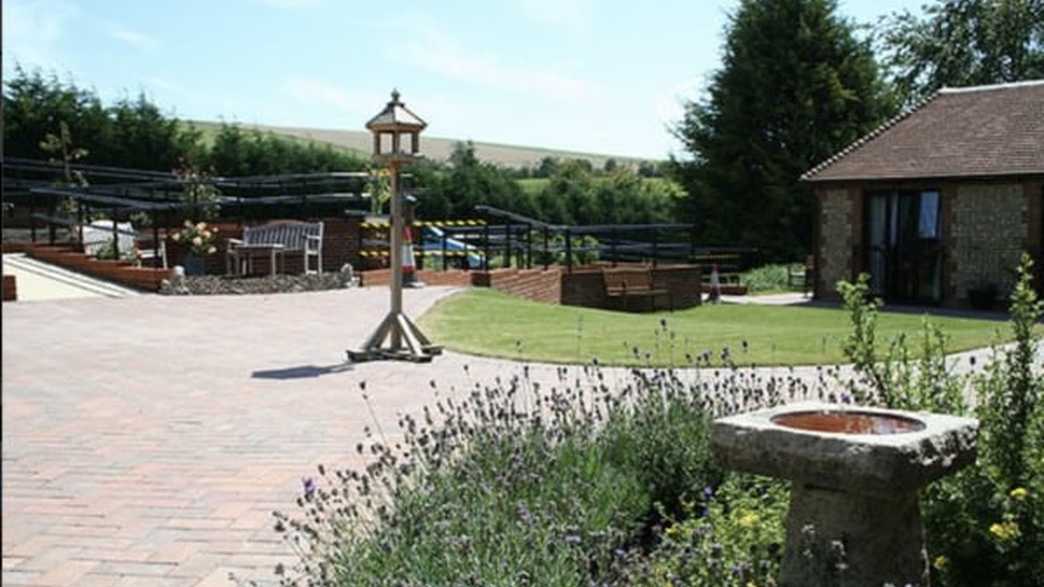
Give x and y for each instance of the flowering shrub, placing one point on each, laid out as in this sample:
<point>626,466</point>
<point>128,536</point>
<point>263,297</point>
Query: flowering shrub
<point>604,482</point>
<point>731,537</point>
<point>199,238</point>
<point>985,525</point>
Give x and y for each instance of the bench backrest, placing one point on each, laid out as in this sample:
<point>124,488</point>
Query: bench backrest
<point>289,234</point>
<point>622,279</point>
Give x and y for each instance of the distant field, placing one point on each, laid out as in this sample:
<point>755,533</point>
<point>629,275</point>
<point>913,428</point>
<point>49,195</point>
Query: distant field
<point>437,148</point>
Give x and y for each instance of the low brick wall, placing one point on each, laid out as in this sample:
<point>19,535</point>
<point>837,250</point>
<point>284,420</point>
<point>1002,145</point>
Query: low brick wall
<point>121,272</point>
<point>10,289</point>
<point>534,284</point>
<point>382,277</point>
<point>585,286</point>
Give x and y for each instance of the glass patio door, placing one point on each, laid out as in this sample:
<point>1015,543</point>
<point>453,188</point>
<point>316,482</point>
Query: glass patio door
<point>903,245</point>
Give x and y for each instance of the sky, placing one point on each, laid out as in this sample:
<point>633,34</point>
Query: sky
<point>586,75</point>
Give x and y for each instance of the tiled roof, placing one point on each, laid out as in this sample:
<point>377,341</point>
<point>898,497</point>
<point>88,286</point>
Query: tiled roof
<point>957,132</point>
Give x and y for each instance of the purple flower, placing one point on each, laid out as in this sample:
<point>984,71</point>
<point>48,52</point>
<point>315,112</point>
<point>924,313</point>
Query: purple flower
<point>309,487</point>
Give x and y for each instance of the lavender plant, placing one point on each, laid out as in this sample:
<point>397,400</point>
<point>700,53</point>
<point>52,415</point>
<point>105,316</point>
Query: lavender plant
<point>515,483</point>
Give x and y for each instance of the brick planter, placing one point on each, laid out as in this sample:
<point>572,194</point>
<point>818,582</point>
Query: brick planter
<point>121,272</point>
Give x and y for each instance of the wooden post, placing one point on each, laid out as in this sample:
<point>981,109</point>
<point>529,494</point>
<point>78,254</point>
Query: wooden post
<point>485,261</point>
<point>547,250</point>
<point>115,237</point>
<point>569,250</point>
<point>32,217</point>
<point>529,246</point>
<point>156,261</point>
<point>507,243</point>
<point>79,223</point>
<point>444,249</point>
<point>655,247</point>
<point>50,221</point>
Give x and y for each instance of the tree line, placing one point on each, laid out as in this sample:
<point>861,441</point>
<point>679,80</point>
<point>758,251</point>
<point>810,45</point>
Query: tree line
<point>797,83</point>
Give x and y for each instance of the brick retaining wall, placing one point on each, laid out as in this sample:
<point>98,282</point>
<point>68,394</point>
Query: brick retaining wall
<point>10,289</point>
<point>121,272</point>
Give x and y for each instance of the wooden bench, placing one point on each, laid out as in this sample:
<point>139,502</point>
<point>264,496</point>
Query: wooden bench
<point>633,283</point>
<point>275,241</point>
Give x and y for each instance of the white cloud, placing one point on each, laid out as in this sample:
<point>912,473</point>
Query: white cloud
<point>33,31</point>
<point>134,38</point>
<point>438,53</point>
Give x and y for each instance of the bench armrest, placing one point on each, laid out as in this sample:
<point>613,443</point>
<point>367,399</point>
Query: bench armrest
<point>233,243</point>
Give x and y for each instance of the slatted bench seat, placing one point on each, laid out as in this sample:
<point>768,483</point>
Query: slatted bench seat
<point>629,283</point>
<point>275,241</point>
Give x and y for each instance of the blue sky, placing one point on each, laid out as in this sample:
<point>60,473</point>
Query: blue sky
<point>606,77</point>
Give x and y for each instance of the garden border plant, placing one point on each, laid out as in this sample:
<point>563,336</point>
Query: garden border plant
<point>590,481</point>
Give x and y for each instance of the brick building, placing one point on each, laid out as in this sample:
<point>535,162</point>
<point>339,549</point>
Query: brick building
<point>937,201</point>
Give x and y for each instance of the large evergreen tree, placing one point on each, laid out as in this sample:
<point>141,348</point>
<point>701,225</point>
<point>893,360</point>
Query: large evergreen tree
<point>795,86</point>
<point>964,42</point>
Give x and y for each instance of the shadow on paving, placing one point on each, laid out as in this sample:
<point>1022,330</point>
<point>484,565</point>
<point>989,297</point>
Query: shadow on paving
<point>302,372</point>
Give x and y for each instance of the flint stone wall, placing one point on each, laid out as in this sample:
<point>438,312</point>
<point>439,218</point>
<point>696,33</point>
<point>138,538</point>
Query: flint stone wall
<point>988,234</point>
<point>835,242</point>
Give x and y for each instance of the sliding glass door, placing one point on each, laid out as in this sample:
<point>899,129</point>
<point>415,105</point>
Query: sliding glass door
<point>903,244</point>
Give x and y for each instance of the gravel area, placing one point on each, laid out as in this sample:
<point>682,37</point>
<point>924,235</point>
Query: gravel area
<point>220,285</point>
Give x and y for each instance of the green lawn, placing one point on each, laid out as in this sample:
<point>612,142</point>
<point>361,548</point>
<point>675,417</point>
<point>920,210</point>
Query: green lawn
<point>487,322</point>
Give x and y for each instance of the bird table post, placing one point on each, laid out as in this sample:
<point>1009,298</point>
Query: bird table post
<point>396,337</point>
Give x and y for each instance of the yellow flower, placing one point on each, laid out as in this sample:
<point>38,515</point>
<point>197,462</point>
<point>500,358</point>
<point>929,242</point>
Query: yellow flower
<point>201,226</point>
<point>206,234</point>
<point>197,241</point>
<point>188,224</point>
<point>212,250</point>
<point>176,236</point>
<point>941,563</point>
<point>1019,493</point>
<point>748,520</point>
<point>1005,531</point>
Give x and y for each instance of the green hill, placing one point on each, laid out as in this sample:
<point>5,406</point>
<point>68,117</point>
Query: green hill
<point>360,141</point>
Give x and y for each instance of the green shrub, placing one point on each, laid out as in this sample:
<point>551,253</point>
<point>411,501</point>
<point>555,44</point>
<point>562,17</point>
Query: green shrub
<point>985,525</point>
<point>734,538</point>
<point>768,279</point>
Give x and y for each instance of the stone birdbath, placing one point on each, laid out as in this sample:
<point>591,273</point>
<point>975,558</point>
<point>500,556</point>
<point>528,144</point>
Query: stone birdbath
<point>855,476</point>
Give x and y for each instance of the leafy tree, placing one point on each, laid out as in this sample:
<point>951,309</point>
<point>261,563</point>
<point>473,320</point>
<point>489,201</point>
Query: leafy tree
<point>963,42</point>
<point>796,85</point>
<point>610,165</point>
<point>467,183</point>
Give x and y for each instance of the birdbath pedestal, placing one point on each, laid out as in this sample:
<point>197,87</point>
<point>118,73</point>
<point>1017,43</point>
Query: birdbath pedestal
<point>855,475</point>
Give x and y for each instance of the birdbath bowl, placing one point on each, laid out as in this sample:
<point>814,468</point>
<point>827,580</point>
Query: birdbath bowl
<point>855,475</point>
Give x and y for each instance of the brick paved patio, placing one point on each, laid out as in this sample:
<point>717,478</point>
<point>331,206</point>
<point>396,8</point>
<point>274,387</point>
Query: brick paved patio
<point>147,440</point>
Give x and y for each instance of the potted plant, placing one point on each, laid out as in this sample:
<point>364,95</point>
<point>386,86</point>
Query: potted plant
<point>200,239</point>
<point>983,295</point>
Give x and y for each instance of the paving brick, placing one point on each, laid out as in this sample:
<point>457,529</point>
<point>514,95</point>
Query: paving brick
<point>67,573</point>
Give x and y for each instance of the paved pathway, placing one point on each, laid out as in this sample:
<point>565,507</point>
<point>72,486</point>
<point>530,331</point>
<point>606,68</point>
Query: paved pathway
<point>146,440</point>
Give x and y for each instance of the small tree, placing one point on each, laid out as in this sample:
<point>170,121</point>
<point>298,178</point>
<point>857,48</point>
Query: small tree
<point>198,191</point>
